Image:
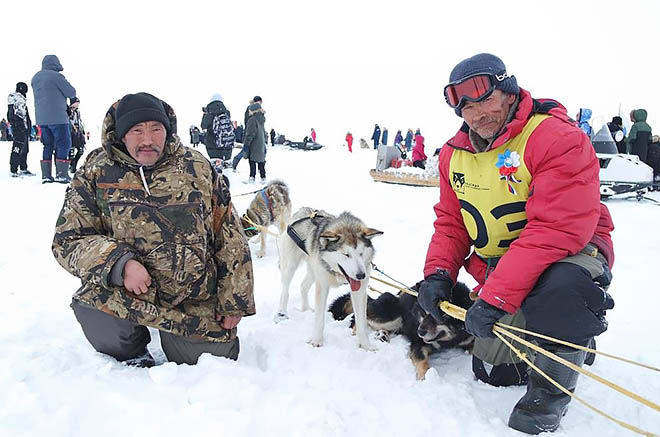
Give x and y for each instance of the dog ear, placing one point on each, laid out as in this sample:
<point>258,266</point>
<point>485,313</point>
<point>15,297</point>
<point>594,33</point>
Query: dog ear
<point>329,237</point>
<point>371,233</point>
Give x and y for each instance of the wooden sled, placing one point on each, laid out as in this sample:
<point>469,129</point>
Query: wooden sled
<point>404,178</point>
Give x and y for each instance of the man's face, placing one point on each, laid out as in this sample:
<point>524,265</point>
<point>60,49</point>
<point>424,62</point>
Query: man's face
<point>146,141</point>
<point>487,117</point>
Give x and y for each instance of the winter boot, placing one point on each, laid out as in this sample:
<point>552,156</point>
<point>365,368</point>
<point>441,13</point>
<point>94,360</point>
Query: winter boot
<point>143,360</point>
<point>62,171</point>
<point>543,406</point>
<point>46,167</point>
<point>250,180</point>
<point>26,172</point>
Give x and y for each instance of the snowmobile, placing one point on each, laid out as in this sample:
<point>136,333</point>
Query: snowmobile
<point>620,173</point>
<point>306,144</point>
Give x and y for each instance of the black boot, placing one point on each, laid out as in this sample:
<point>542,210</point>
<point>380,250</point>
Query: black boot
<point>62,171</point>
<point>543,406</point>
<point>46,169</point>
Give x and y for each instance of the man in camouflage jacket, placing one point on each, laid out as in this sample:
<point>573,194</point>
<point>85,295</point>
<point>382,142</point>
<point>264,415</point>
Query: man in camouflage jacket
<point>148,227</point>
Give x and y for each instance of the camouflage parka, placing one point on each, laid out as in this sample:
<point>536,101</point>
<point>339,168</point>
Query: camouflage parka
<point>175,218</point>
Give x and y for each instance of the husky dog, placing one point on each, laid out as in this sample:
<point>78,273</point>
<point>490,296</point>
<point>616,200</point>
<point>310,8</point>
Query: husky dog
<point>401,314</point>
<point>271,205</point>
<point>338,251</point>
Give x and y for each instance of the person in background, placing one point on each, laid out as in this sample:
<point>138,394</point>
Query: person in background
<point>273,134</point>
<point>78,137</point>
<point>398,138</point>
<point>19,117</point>
<point>640,135</point>
<point>520,210</point>
<point>51,91</point>
<point>240,155</point>
<point>313,135</point>
<point>385,136</point>
<point>418,154</point>
<point>409,140</point>
<point>216,122</point>
<point>255,144</point>
<point>376,136</point>
<point>583,117</point>
<point>349,141</point>
<point>618,132</point>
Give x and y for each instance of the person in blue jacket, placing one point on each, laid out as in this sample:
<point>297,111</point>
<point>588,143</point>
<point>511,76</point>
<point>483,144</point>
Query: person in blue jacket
<point>583,116</point>
<point>408,140</point>
<point>51,91</point>
<point>376,136</point>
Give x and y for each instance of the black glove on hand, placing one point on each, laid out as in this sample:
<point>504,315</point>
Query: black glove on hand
<point>481,317</point>
<point>432,290</point>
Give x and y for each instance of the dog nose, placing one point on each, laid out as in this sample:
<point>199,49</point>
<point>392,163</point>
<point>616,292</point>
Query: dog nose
<point>361,276</point>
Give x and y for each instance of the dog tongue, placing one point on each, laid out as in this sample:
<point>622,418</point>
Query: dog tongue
<point>355,285</point>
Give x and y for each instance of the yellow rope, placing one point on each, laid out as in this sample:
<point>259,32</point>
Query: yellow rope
<point>501,329</point>
<point>523,357</point>
<point>259,227</point>
<point>459,313</point>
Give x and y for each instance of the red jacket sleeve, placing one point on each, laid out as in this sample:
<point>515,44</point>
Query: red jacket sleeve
<point>563,210</point>
<point>450,243</point>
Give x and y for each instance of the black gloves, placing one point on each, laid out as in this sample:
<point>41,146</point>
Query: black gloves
<point>432,290</point>
<point>481,317</point>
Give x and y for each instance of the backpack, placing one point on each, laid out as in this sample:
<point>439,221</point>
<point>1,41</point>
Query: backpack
<point>223,131</point>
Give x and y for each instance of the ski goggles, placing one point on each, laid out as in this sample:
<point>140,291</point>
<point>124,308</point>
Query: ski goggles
<point>472,89</point>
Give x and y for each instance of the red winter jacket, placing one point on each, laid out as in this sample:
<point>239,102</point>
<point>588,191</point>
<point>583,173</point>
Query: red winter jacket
<point>563,208</point>
<point>418,153</point>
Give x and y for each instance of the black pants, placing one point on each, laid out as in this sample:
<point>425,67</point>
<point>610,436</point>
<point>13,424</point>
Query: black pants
<point>566,304</point>
<point>19,152</point>
<point>262,169</point>
<point>123,339</point>
<point>419,164</point>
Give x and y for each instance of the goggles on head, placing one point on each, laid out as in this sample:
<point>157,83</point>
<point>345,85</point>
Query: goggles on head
<point>472,89</point>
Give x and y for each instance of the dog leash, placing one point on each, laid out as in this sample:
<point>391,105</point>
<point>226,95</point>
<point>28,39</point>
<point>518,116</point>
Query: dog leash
<point>258,227</point>
<point>501,329</point>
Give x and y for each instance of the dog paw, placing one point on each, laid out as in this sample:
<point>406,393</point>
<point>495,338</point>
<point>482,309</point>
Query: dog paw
<point>383,335</point>
<point>368,347</point>
<point>279,317</point>
<point>315,342</point>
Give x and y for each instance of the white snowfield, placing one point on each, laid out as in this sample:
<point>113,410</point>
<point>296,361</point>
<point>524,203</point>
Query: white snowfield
<point>52,383</point>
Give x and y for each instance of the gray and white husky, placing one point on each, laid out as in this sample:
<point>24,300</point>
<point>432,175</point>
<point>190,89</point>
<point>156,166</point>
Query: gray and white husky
<point>338,251</point>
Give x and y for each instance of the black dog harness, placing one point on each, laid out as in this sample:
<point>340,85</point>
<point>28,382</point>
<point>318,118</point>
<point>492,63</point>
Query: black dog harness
<point>291,231</point>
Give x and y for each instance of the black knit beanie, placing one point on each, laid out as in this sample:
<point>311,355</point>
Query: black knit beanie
<point>484,63</point>
<point>137,108</point>
<point>21,87</point>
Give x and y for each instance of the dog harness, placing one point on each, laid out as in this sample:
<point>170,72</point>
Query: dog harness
<point>291,229</point>
<point>268,203</point>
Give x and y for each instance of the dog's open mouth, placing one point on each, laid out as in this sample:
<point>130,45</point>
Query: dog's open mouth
<point>354,283</point>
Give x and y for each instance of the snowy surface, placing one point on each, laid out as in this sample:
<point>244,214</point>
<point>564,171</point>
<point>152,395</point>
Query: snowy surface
<point>53,383</point>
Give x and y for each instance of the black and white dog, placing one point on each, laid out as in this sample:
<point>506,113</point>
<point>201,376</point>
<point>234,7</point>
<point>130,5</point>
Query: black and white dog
<point>401,314</point>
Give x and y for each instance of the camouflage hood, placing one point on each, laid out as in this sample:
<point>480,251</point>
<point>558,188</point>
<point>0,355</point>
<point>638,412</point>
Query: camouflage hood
<point>176,219</point>
<point>116,149</point>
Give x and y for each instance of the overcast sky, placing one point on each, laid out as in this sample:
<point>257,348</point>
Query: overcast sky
<point>337,65</point>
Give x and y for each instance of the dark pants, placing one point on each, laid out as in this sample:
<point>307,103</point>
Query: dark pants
<point>123,339</point>
<point>419,164</point>
<point>566,304</point>
<point>56,139</point>
<point>262,169</point>
<point>19,152</point>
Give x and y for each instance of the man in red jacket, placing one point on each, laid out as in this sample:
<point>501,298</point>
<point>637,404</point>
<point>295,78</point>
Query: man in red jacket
<point>519,189</point>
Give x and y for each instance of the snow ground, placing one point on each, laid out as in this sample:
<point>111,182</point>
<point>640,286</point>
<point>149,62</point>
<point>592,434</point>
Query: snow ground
<point>53,382</point>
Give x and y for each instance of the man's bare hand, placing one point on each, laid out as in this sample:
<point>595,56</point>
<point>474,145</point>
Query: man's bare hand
<point>228,322</point>
<point>136,277</point>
